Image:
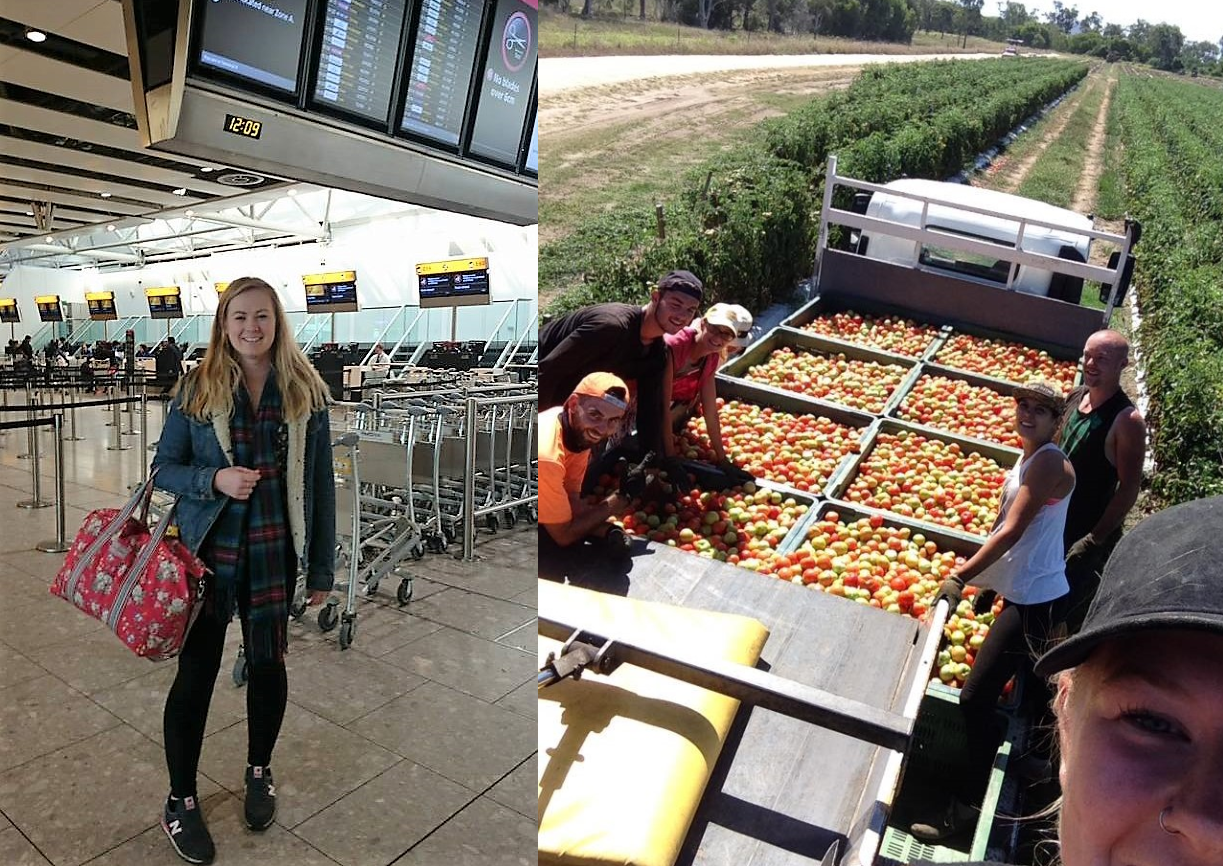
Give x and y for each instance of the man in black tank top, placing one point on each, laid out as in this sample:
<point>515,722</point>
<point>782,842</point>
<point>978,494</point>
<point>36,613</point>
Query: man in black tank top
<point>1105,438</point>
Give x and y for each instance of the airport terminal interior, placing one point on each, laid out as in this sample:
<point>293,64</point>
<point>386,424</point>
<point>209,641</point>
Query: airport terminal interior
<point>375,165</point>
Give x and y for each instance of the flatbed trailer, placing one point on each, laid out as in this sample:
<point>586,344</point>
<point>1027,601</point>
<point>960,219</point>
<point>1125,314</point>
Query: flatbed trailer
<point>786,791</point>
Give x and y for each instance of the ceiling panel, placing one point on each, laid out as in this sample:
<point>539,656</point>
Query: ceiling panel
<point>120,191</point>
<point>14,190</point>
<point>30,69</point>
<point>73,158</point>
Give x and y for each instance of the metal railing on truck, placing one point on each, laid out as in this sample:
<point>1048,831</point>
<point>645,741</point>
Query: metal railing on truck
<point>923,235</point>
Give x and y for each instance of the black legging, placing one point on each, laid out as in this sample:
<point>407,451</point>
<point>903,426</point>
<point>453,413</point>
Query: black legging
<point>186,714</point>
<point>1015,638</point>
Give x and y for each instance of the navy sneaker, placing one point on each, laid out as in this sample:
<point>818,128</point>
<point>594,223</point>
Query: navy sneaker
<point>183,823</point>
<point>260,798</point>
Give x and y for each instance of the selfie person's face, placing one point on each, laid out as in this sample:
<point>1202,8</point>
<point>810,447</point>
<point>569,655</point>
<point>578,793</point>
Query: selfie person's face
<point>250,324</point>
<point>1142,731</point>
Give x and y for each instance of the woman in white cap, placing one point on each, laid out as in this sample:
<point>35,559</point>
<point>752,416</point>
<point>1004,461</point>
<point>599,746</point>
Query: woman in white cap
<point>1023,560</point>
<point>696,353</point>
<point>1140,701</point>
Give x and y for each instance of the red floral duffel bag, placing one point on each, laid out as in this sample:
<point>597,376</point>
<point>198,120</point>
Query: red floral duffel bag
<point>145,587</point>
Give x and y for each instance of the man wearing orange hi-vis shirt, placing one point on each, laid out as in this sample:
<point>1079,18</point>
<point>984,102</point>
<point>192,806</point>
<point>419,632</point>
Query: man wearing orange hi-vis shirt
<point>592,413</point>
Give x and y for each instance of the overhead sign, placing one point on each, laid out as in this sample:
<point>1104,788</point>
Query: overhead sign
<point>165,302</point>
<point>453,283</point>
<point>334,292</point>
<point>101,306</point>
<point>220,287</point>
<point>386,97</point>
<point>49,308</point>
<point>8,310</point>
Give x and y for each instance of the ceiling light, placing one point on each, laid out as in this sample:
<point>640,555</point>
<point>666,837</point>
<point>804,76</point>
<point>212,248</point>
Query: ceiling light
<point>36,36</point>
<point>182,190</point>
<point>49,239</point>
<point>111,227</point>
<point>190,212</point>
<point>292,192</point>
<point>207,169</point>
<point>29,213</point>
<point>105,194</point>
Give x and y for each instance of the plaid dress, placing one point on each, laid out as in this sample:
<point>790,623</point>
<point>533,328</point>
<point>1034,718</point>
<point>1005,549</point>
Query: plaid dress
<point>250,548</point>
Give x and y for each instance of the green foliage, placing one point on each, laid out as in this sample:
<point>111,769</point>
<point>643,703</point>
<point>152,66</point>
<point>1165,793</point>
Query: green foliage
<point>1170,152</point>
<point>744,220</point>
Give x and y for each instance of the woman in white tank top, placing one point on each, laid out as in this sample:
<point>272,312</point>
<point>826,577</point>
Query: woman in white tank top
<point>1023,560</point>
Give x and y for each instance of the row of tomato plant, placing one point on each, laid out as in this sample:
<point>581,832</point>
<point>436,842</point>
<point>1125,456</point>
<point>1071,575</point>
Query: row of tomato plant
<point>746,220</point>
<point>1173,171</point>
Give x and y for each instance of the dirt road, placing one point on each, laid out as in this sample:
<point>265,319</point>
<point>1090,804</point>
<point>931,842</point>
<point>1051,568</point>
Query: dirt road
<point>558,74</point>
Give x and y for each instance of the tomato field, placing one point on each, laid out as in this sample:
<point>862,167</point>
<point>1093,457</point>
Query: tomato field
<point>1173,177</point>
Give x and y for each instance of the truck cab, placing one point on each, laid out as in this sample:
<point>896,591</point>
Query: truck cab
<point>980,214</point>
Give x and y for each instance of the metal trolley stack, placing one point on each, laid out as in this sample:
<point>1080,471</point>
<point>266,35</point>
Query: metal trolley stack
<point>415,470</point>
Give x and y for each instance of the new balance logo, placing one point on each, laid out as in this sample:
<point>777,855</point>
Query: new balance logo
<point>175,827</point>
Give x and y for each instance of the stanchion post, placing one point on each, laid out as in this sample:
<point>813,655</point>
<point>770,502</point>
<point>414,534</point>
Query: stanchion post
<point>72,417</point>
<point>118,425</point>
<point>29,431</point>
<point>59,544</point>
<point>144,435</point>
<point>469,483</point>
<point>36,501</point>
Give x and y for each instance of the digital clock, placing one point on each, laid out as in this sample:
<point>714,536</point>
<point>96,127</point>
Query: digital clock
<point>243,126</point>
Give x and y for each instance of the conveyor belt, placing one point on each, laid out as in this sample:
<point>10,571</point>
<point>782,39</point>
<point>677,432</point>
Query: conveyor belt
<point>783,789</point>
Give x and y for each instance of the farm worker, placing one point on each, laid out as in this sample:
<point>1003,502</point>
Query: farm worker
<point>247,449</point>
<point>567,432</point>
<point>1105,438</point>
<point>1139,700</point>
<point>1022,560</point>
<point>623,339</point>
<point>696,353</point>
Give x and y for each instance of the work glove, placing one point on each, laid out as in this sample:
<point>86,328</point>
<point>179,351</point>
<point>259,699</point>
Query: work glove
<point>983,601</point>
<point>635,479</point>
<point>951,589</point>
<point>675,470</point>
<point>617,542</point>
<point>736,476</point>
<point>1081,548</point>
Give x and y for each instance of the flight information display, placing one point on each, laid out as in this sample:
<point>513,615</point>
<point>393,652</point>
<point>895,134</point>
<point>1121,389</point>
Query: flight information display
<point>165,303</point>
<point>356,70</point>
<point>456,282</point>
<point>447,35</point>
<point>8,311</point>
<point>101,306</point>
<point>49,308</point>
<point>331,293</point>
<point>533,151</point>
<point>259,40</point>
<point>505,82</point>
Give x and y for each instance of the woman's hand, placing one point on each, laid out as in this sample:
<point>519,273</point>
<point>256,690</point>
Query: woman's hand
<point>317,596</point>
<point>236,482</point>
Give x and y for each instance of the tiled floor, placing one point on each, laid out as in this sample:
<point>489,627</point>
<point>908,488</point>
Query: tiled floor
<point>414,746</point>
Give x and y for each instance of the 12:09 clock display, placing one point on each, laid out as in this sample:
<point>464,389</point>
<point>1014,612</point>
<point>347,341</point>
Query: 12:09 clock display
<point>243,126</point>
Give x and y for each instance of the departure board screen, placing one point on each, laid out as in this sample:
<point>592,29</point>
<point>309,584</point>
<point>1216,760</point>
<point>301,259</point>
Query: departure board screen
<point>447,35</point>
<point>356,70</point>
<point>259,40</point>
<point>505,81</point>
<point>533,149</point>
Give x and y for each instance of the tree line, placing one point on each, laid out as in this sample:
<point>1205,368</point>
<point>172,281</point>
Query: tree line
<point>1161,45</point>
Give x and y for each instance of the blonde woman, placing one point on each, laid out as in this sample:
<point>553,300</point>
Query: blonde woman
<point>696,353</point>
<point>247,448</point>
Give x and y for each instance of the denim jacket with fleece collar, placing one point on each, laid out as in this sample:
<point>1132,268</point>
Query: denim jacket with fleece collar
<point>190,452</point>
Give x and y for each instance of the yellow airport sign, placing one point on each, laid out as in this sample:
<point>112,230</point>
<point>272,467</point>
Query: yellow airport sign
<point>451,266</point>
<point>329,278</point>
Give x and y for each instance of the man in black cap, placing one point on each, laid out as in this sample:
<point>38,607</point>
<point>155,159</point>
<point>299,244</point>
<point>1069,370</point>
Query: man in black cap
<point>622,339</point>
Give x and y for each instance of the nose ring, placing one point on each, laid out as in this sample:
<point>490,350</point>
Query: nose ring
<point>1164,826</point>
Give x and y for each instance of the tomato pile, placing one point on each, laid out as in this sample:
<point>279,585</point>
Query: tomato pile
<point>1014,362</point>
<point>864,385</point>
<point>957,406</point>
<point>743,526</point>
<point>799,450</point>
<point>929,479</point>
<point>892,333</point>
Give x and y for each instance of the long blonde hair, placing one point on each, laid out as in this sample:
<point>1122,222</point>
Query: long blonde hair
<point>209,389</point>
